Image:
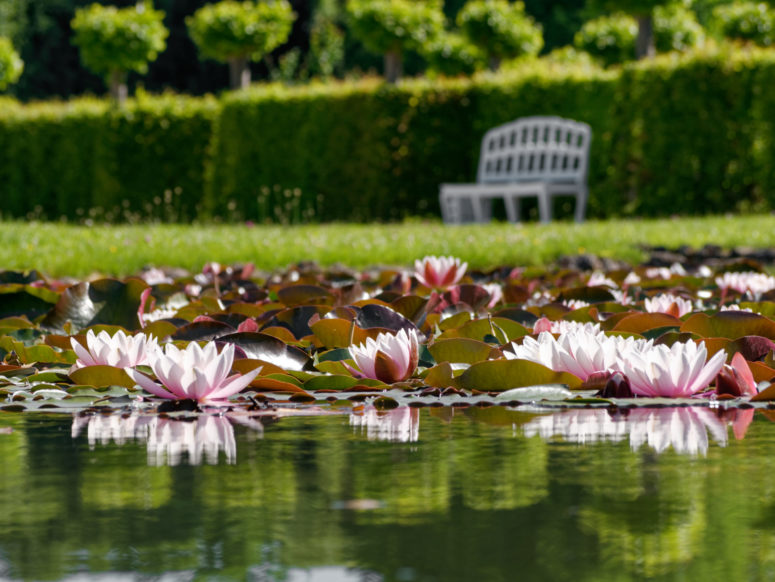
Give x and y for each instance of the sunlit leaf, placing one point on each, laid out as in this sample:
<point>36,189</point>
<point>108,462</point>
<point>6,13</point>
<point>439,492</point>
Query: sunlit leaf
<point>730,324</point>
<point>499,375</point>
<point>464,350</point>
<point>102,376</point>
<point>105,301</point>
<point>260,346</point>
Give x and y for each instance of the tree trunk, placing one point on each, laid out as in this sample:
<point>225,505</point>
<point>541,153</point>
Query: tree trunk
<point>644,44</point>
<point>239,73</point>
<point>118,88</point>
<point>393,66</point>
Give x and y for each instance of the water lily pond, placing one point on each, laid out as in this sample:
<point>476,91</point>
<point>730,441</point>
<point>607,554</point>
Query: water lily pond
<point>433,493</point>
<point>425,423</point>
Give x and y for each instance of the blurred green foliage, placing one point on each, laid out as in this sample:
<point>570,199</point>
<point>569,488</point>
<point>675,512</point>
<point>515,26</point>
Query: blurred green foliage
<point>745,21</point>
<point>11,65</point>
<point>112,39</point>
<point>500,29</point>
<point>229,29</point>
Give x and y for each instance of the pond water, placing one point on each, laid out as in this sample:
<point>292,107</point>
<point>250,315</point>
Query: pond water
<point>431,494</point>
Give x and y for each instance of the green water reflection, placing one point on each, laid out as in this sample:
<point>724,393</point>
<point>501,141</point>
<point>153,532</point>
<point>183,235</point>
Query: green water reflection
<point>425,495</point>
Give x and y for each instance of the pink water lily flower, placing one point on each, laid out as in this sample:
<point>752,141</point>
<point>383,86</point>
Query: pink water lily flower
<point>119,350</point>
<point>389,358</point>
<point>439,272</point>
<point>195,372</point>
<point>678,371</point>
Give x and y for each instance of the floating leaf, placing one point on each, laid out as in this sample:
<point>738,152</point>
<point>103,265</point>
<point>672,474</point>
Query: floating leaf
<point>730,324</point>
<point>480,328</point>
<point>642,322</point>
<point>383,317</point>
<point>296,295</point>
<point>296,319</point>
<point>202,331</point>
<point>588,294</point>
<point>105,301</point>
<point>102,376</point>
<point>330,382</point>
<point>440,375</point>
<point>464,350</point>
<point>534,393</point>
<point>499,375</point>
<point>264,347</point>
<point>338,333</point>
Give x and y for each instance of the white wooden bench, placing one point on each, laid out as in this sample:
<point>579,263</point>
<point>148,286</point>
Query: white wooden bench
<point>531,157</point>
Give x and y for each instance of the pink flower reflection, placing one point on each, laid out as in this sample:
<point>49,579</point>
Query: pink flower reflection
<point>685,429</point>
<point>168,440</point>
<point>398,425</point>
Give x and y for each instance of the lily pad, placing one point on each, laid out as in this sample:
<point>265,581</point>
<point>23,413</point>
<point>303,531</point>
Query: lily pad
<point>534,393</point>
<point>260,346</point>
<point>500,375</point>
<point>102,376</point>
<point>105,301</point>
<point>465,350</point>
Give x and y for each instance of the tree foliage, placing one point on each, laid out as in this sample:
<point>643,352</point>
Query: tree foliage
<point>395,25</point>
<point>746,21</point>
<point>119,39</point>
<point>501,29</point>
<point>11,65</point>
<point>612,38</point>
<point>233,30</point>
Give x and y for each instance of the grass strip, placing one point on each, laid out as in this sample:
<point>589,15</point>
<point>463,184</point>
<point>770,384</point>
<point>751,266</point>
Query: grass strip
<point>59,249</point>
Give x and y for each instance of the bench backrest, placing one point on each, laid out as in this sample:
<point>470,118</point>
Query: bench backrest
<point>535,148</point>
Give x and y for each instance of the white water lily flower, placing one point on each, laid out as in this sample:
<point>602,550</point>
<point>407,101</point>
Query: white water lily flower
<point>668,303</point>
<point>120,350</point>
<point>196,373</point>
<point>678,371</point>
<point>582,353</point>
<point>747,282</point>
<point>389,358</point>
<point>598,279</point>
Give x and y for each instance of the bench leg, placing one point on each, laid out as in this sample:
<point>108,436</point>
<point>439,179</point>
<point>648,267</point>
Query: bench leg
<point>512,207</point>
<point>544,205</point>
<point>581,204</point>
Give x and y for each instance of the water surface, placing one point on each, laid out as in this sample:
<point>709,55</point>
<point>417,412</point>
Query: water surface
<point>432,494</point>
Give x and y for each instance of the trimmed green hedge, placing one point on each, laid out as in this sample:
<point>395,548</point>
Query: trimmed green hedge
<point>688,134</point>
<point>86,159</point>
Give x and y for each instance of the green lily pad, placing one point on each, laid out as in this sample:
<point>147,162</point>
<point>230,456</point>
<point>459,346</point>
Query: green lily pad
<point>102,376</point>
<point>461,350</point>
<point>500,375</point>
<point>730,324</point>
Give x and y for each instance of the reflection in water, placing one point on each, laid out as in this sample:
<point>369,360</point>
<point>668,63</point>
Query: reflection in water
<point>167,439</point>
<point>685,429</point>
<point>399,425</point>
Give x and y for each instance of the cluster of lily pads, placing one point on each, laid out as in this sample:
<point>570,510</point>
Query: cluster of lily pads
<point>232,338</point>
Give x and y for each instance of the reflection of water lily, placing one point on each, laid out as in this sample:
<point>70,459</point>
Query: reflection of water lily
<point>439,272</point>
<point>399,425</point>
<point>389,358</point>
<point>678,371</point>
<point>195,372</point>
<point>168,440</point>
<point>685,429</point>
<point>120,350</point>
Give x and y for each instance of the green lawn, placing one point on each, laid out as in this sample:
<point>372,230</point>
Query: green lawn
<point>62,249</point>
